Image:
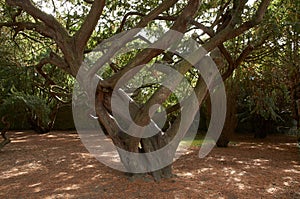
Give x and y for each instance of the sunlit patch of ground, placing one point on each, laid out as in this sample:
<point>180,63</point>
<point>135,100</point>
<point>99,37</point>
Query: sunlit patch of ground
<point>57,165</point>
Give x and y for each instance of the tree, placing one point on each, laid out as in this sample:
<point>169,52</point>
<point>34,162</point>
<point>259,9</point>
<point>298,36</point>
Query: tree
<point>289,52</point>
<point>269,75</point>
<point>72,41</point>
<point>27,98</point>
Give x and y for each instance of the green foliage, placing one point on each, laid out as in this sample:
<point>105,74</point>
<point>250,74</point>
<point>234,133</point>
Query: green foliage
<point>267,75</point>
<point>19,107</point>
<point>264,79</point>
<point>263,91</point>
<point>25,97</point>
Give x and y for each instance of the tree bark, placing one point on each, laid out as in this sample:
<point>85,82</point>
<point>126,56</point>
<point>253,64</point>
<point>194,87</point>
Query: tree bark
<point>6,139</point>
<point>231,118</point>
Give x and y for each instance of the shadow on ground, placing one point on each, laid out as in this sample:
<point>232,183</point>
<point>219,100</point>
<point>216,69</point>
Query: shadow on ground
<point>57,165</point>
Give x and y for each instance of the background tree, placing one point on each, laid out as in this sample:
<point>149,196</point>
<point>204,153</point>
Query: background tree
<point>270,74</point>
<point>27,98</point>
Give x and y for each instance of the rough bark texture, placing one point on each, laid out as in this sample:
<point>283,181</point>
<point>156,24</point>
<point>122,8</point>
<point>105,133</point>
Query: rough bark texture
<point>6,139</point>
<point>231,118</point>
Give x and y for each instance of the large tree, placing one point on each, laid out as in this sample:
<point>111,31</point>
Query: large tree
<point>72,36</point>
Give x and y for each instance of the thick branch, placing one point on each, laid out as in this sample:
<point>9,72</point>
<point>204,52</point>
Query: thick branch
<point>256,19</point>
<point>141,117</point>
<point>167,18</point>
<point>164,42</point>
<point>83,34</point>
<point>118,45</point>
<point>35,12</point>
<point>49,27</point>
<point>106,120</point>
<point>226,54</point>
<point>21,26</point>
<point>55,60</point>
<point>239,60</point>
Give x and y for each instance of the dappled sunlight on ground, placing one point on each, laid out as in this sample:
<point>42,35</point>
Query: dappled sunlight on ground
<point>248,169</point>
<point>56,165</point>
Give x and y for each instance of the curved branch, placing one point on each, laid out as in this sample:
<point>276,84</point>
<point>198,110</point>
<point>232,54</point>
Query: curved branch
<point>117,45</point>
<point>61,92</point>
<point>163,93</point>
<point>256,19</point>
<point>47,25</point>
<point>164,42</point>
<point>21,26</point>
<point>157,11</point>
<point>39,69</point>
<point>35,12</point>
<point>83,34</point>
<point>55,60</point>
<point>126,17</point>
<point>205,29</point>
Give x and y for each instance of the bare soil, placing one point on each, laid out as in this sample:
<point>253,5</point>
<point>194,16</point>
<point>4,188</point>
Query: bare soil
<point>57,165</point>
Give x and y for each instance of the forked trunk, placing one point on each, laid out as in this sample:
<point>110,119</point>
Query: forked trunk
<point>139,158</point>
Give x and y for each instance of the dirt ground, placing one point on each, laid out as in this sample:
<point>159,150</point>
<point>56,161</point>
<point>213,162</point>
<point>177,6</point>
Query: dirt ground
<point>57,165</point>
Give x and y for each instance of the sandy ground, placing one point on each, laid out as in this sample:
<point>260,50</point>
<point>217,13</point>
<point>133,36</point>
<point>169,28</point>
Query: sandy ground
<point>57,165</point>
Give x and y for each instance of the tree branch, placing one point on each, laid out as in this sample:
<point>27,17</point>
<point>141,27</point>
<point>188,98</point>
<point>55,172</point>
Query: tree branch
<point>61,92</point>
<point>166,18</point>
<point>35,12</point>
<point>256,19</point>
<point>55,60</point>
<point>237,62</point>
<point>164,42</point>
<point>181,24</point>
<point>126,17</point>
<point>117,45</point>
<point>157,11</point>
<point>83,34</point>
<point>220,13</point>
<point>39,69</point>
<point>49,27</point>
<point>88,1</point>
<point>21,26</point>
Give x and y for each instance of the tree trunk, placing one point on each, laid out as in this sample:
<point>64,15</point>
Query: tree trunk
<point>261,127</point>
<point>230,122</point>
<point>6,140</point>
<point>127,143</point>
